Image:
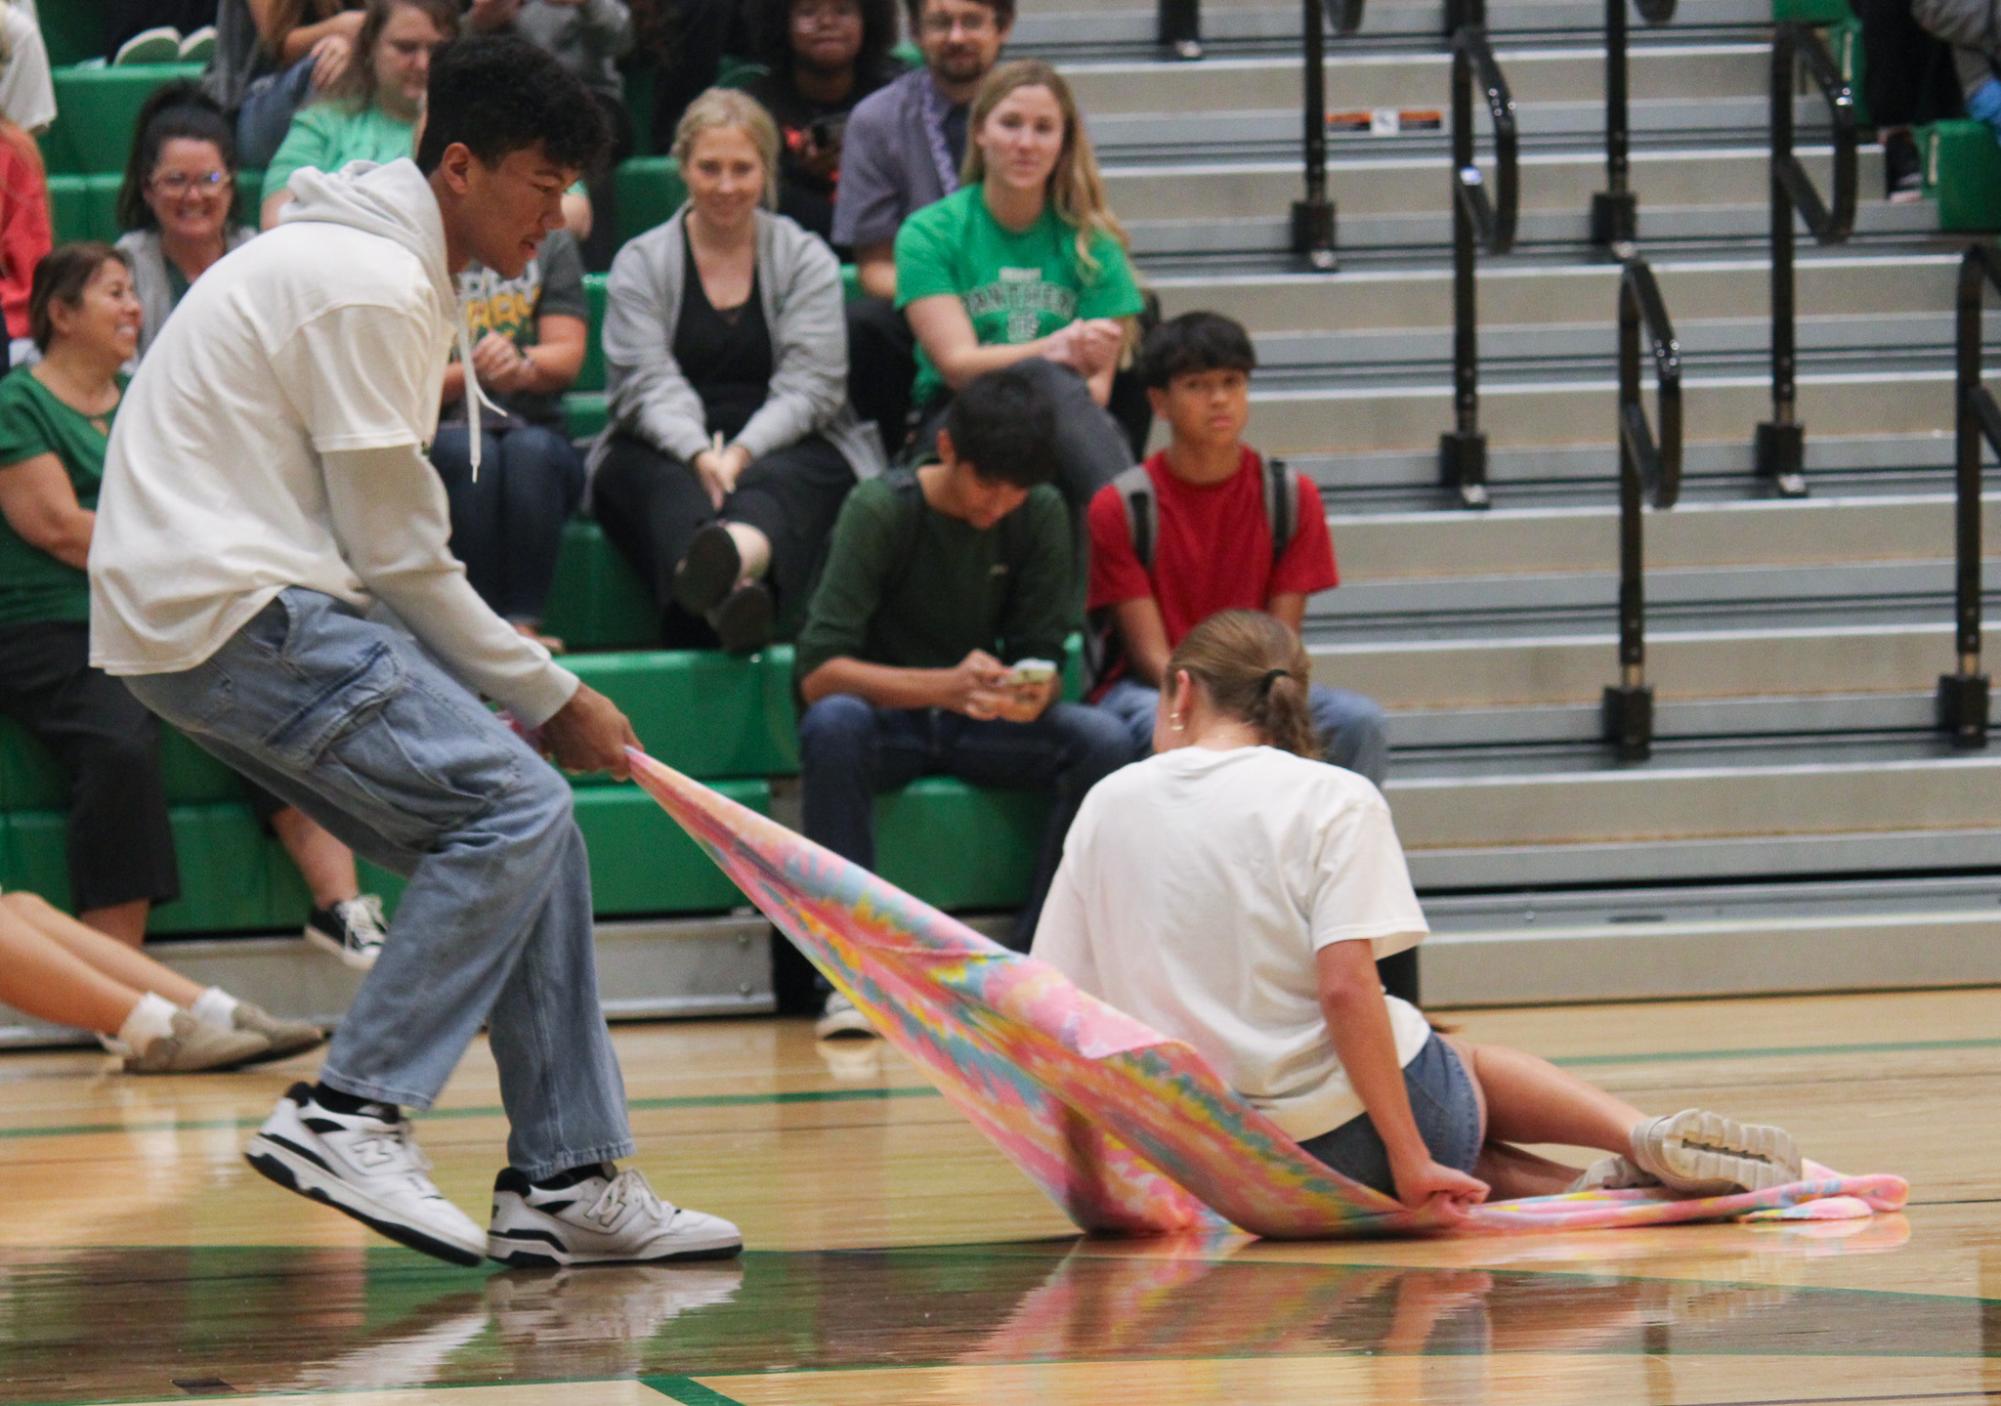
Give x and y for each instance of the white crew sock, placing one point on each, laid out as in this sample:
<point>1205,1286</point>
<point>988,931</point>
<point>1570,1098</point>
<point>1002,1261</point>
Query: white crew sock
<point>152,1019</point>
<point>216,1007</point>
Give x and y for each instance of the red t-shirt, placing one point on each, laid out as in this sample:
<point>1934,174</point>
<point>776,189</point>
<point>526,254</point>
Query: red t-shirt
<point>24,226</point>
<point>1212,549</point>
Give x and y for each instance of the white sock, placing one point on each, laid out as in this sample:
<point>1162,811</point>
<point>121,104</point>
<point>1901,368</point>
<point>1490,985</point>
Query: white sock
<point>216,1007</point>
<point>152,1019</point>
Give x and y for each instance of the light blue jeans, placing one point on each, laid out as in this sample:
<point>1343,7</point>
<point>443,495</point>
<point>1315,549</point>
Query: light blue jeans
<point>351,721</point>
<point>1350,725</point>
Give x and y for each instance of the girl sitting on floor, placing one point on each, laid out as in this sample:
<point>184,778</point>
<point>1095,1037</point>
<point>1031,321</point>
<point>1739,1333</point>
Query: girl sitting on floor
<point>1235,894</point>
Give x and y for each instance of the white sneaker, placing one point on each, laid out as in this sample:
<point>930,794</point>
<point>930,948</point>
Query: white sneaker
<point>367,1166</point>
<point>1613,1174</point>
<point>839,1017</point>
<point>1701,1153</point>
<point>353,930</point>
<point>606,1218</point>
<point>194,1048</point>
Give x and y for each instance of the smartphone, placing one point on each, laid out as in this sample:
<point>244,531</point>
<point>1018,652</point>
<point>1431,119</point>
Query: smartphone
<point>1030,671</point>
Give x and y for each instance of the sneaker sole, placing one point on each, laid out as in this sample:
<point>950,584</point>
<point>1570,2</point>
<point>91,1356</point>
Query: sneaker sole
<point>348,957</point>
<point>547,1255</point>
<point>1701,1151</point>
<point>291,1168</point>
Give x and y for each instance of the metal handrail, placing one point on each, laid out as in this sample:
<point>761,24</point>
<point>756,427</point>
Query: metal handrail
<point>1615,211</point>
<point>1780,450</point>
<point>1313,216</point>
<point>1478,220</point>
<point>1181,24</point>
<point>1962,696</point>
<point>1649,466</point>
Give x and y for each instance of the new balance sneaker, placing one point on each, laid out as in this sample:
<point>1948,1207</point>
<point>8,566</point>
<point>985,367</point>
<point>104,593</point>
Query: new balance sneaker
<point>353,930</point>
<point>281,1037</point>
<point>191,1047</point>
<point>365,1165</point>
<point>1701,1153</point>
<point>603,1217</point>
<point>839,1017</point>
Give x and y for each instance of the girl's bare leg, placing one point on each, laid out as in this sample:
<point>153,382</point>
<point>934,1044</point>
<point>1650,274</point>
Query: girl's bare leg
<point>128,968</point>
<point>124,921</point>
<point>1530,1100</point>
<point>323,862</point>
<point>1511,1172</point>
<point>43,978</point>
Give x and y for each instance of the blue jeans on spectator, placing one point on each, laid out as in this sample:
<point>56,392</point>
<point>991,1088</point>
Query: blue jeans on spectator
<point>849,750</point>
<point>508,527</point>
<point>1350,725</point>
<point>1983,104</point>
<point>266,114</point>
<point>351,721</point>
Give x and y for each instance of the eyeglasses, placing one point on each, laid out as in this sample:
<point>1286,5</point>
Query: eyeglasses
<point>940,23</point>
<point>179,183</point>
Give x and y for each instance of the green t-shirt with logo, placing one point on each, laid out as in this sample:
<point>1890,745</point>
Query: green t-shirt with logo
<point>34,586</point>
<point>1017,286</point>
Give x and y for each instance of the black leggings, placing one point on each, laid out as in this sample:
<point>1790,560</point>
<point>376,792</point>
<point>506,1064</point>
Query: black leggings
<point>651,505</point>
<point>120,846</point>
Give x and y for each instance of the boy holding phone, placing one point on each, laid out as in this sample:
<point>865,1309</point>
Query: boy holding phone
<point>927,646</point>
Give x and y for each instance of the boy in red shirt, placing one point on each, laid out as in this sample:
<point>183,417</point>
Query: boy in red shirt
<point>1209,539</point>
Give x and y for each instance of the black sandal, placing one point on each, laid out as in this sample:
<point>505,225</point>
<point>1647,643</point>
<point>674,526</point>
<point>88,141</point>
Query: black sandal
<point>745,619</point>
<point>709,572</point>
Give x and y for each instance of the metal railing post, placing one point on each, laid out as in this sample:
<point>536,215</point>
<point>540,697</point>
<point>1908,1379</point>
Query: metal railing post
<point>1313,217</point>
<point>1181,28</point>
<point>1477,222</point>
<point>1779,449</point>
<point>1645,464</point>
<point>1962,695</point>
<point>1615,211</point>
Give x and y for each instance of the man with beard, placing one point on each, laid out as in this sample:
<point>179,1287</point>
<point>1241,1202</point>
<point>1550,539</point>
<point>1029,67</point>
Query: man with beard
<point>903,149</point>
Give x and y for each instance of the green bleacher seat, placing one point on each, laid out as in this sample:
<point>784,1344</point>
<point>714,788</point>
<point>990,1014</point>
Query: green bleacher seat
<point>97,111</point>
<point>705,713</point>
<point>591,376</point>
<point>1962,169</point>
<point>957,846</point>
<point>647,190</point>
<point>1811,11</point>
<point>585,413</point>
<point>84,206</point>
<point>851,282</point>
<point>597,602</point>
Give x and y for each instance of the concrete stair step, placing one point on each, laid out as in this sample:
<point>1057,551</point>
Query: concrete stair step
<point>1231,24</point>
<point>1435,737</point>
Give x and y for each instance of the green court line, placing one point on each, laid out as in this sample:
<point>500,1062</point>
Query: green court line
<point>688,1391</point>
<point>807,1096</point>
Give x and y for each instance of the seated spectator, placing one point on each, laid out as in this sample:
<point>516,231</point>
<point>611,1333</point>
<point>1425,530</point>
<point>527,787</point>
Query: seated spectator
<point>56,969</point>
<point>528,346</point>
<point>1970,27</point>
<point>822,58</point>
<point>370,112</point>
<point>25,235</point>
<point>1208,539</point>
<point>1196,530</point>
<point>732,444</point>
<point>55,422</point>
<point>27,87</point>
<point>1027,266</point>
<point>902,149</point>
<point>177,200</point>
<point>1907,81</point>
<point>589,38</point>
<point>938,585</point>
<point>272,57</point>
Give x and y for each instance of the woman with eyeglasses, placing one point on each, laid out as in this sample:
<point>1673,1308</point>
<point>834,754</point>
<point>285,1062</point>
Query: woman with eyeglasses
<point>178,200</point>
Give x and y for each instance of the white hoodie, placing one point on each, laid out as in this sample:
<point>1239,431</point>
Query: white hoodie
<point>258,447</point>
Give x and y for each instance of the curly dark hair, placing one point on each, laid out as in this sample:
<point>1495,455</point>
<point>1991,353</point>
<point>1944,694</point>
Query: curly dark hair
<point>771,26</point>
<point>498,94</point>
<point>176,111</point>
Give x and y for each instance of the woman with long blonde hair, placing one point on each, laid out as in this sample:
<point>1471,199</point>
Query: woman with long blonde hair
<point>1025,264</point>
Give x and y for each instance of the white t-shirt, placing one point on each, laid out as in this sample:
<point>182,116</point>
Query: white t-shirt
<point>27,89</point>
<point>1195,889</point>
<point>273,437</point>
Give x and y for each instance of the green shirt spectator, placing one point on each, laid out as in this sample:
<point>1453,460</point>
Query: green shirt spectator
<point>1018,286</point>
<point>328,135</point>
<point>908,586</point>
<point>34,586</point>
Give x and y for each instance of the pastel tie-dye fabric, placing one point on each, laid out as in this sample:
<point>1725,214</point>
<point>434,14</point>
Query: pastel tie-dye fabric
<point>1123,1128</point>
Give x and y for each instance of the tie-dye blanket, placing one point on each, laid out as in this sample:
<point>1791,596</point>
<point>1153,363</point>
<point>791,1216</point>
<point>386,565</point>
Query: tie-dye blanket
<point>1122,1127</point>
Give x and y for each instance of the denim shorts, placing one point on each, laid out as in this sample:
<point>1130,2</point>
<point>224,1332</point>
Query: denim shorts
<point>1446,1107</point>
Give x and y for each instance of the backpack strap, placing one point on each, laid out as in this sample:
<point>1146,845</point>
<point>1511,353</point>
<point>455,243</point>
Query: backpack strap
<point>1282,495</point>
<point>1135,490</point>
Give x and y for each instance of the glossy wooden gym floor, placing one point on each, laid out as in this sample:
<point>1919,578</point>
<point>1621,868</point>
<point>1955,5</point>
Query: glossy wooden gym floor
<point>893,1257</point>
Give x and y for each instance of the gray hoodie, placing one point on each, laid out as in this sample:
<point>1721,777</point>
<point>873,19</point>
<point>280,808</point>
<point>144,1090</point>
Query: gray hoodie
<point>273,437</point>
<point>1972,27</point>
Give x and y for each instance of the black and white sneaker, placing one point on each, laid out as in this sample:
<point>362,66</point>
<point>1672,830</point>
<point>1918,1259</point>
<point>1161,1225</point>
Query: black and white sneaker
<point>603,1217</point>
<point>365,1165</point>
<point>353,930</point>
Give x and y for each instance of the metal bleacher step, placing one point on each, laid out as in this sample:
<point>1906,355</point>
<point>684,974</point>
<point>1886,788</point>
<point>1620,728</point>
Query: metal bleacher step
<point>1661,943</point>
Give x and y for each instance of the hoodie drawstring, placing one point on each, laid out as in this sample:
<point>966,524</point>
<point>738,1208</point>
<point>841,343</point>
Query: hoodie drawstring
<point>475,397</point>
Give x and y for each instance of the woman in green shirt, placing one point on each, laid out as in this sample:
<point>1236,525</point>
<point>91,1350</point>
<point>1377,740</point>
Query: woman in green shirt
<point>55,422</point>
<point>1025,264</point>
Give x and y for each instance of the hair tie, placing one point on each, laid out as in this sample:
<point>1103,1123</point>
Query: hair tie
<point>1271,677</point>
